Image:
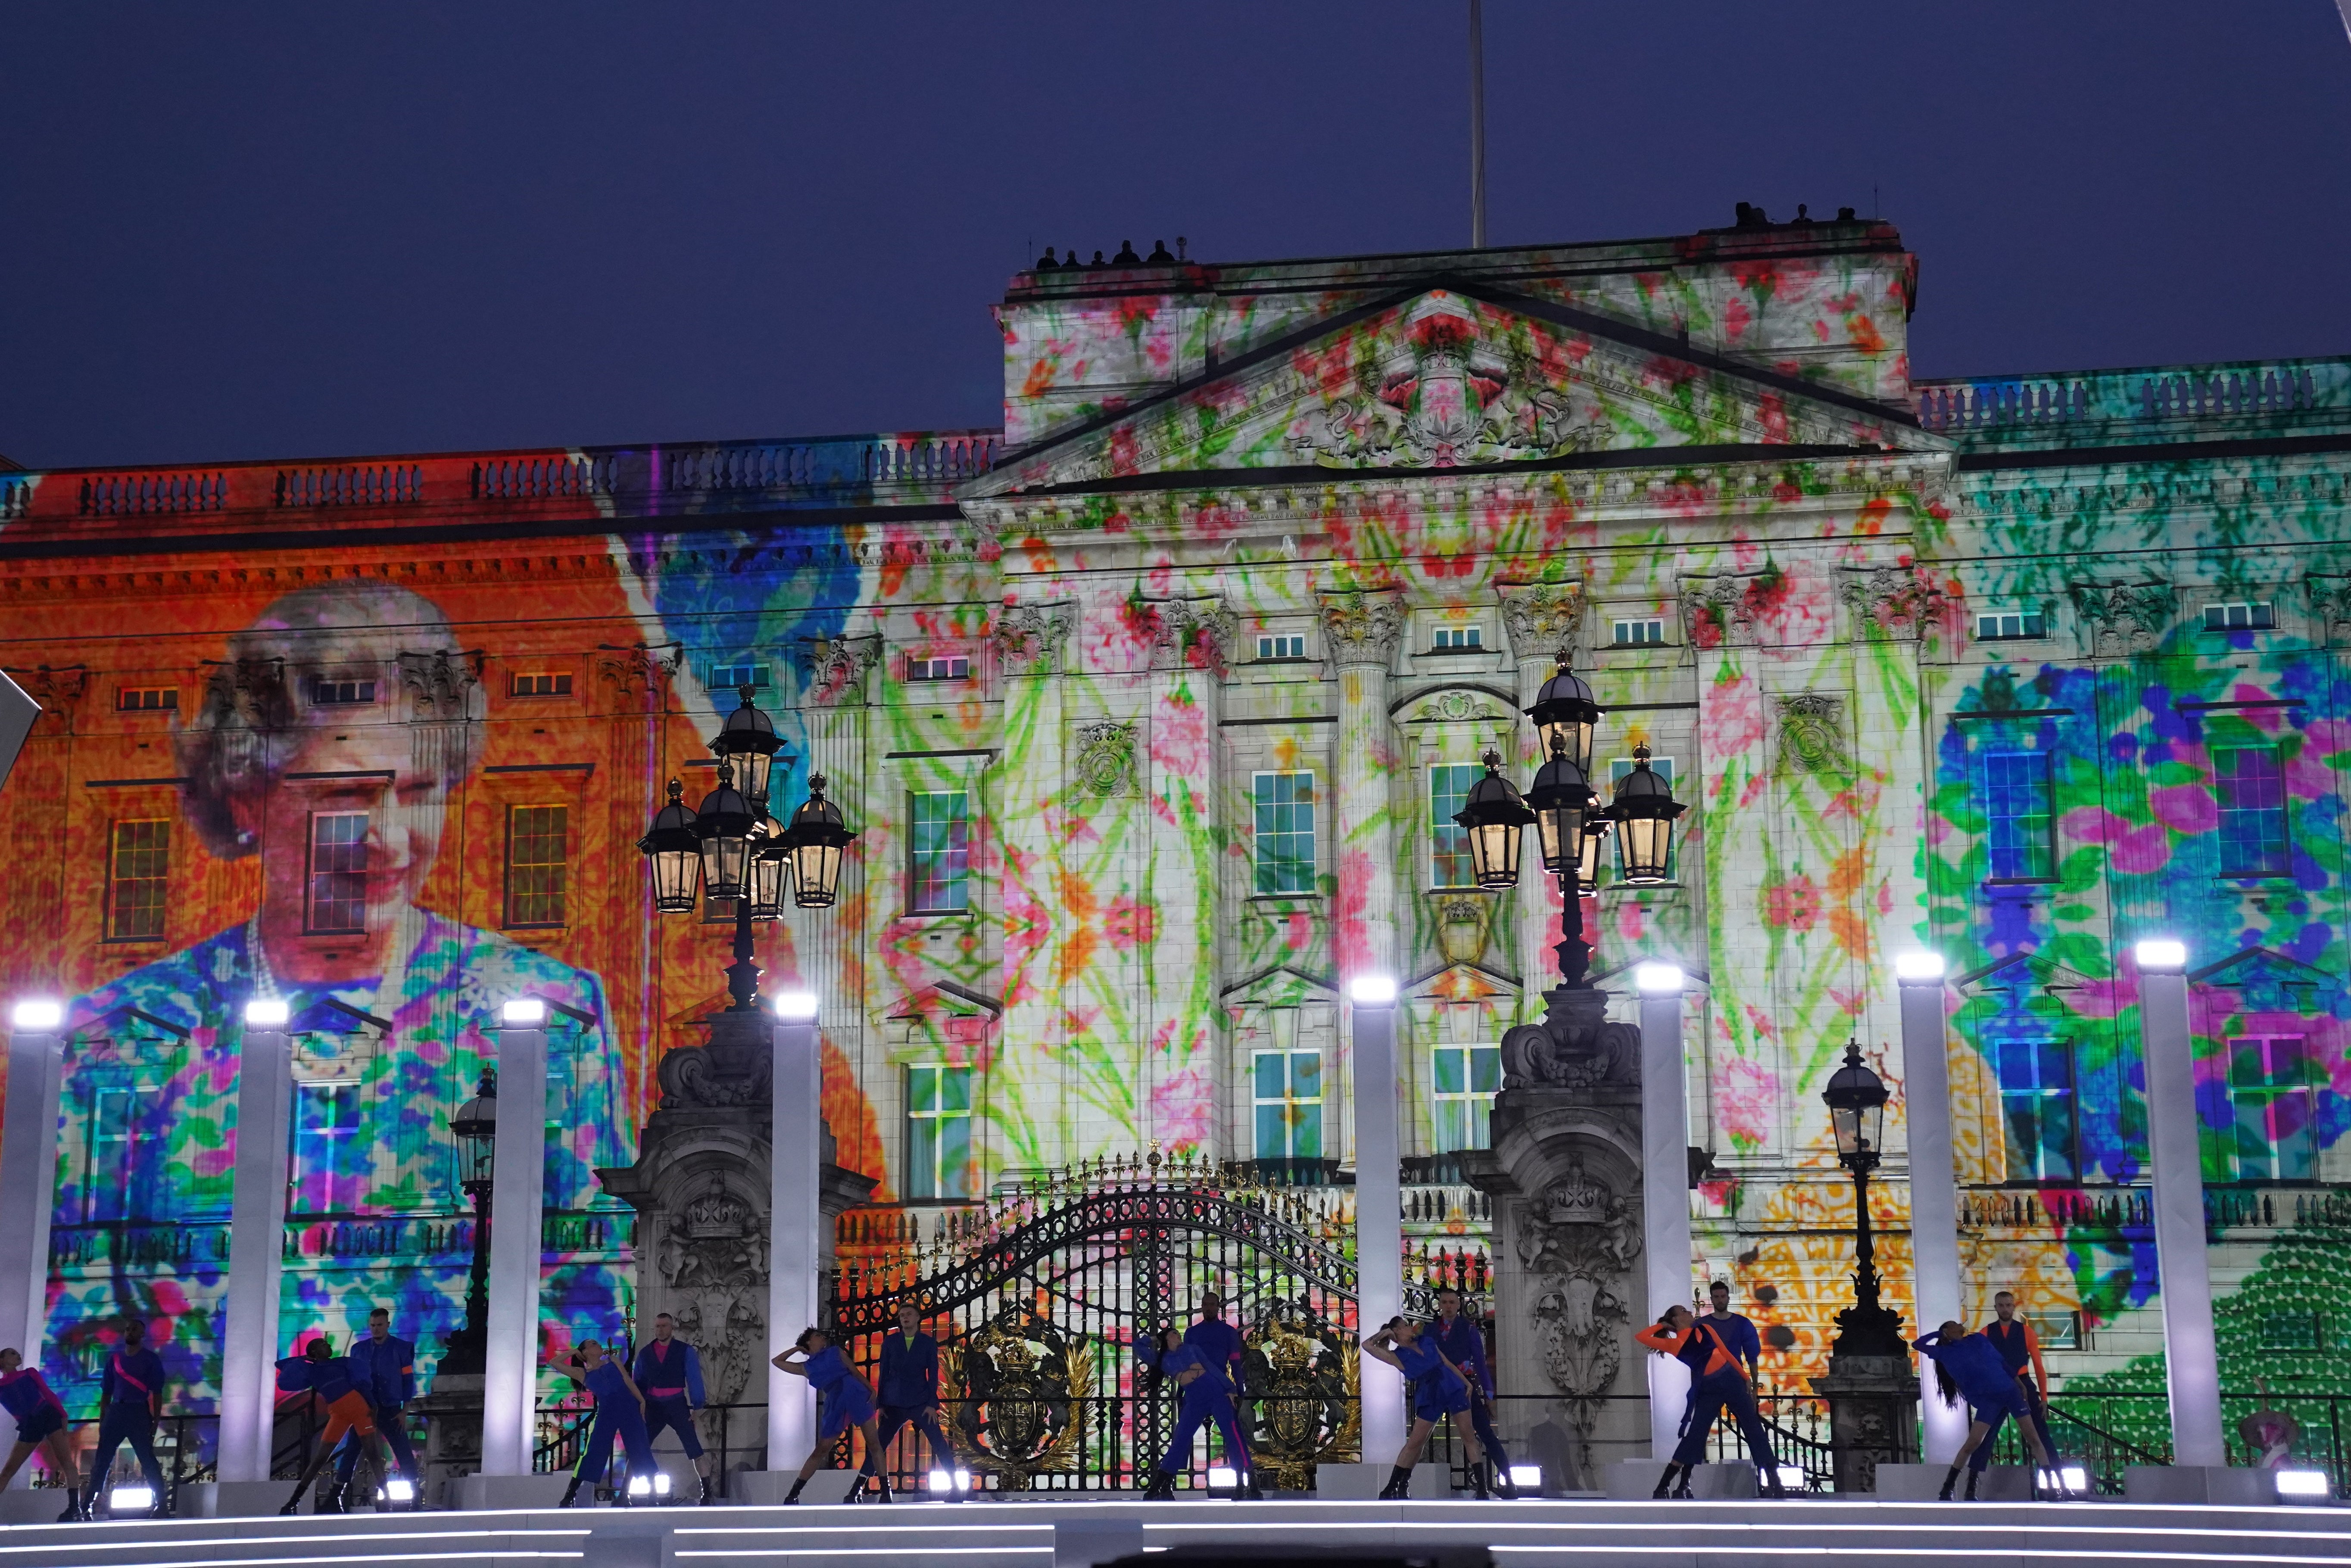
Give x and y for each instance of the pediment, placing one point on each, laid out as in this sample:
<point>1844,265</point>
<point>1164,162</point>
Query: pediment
<point>1460,982</point>
<point>1459,377</point>
<point>2021,970</point>
<point>1281,985</point>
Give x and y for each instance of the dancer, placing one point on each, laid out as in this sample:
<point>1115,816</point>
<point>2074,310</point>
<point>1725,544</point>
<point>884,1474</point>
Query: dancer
<point>848,1402</point>
<point>1717,1384</point>
<point>910,1389</point>
<point>1737,1333</point>
<point>40,1418</point>
<point>334,1382</point>
<point>1438,1390</point>
<point>669,1371</point>
<point>1968,1365</point>
<point>2019,1351</point>
<point>1204,1397</point>
<point>129,1398</point>
<point>620,1413</point>
<point>1463,1344</point>
<point>386,1368</point>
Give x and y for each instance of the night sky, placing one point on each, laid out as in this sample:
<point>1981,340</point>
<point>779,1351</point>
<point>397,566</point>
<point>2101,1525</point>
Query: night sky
<point>256,230</point>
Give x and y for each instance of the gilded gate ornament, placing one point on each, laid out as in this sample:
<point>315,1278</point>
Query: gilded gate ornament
<point>1019,1414</point>
<point>1298,1377</point>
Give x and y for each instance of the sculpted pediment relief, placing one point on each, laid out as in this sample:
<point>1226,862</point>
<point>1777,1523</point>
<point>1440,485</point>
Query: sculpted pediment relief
<point>1457,377</point>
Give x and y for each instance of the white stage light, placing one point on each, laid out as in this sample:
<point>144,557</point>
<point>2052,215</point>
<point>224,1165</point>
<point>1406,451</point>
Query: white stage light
<point>661,1483</point>
<point>399,1488</point>
<point>37,1016</point>
<point>1793,1478</point>
<point>962,1481</point>
<point>1526,1475</point>
<point>1658,979</point>
<point>1224,1476</point>
<point>795,1006</point>
<point>524,1009</point>
<point>1917,966</point>
<point>2074,1476</point>
<point>266,1012</point>
<point>2303,1483</point>
<point>2162,953</point>
<point>1372,990</point>
<point>640,1486</point>
<point>131,1498</point>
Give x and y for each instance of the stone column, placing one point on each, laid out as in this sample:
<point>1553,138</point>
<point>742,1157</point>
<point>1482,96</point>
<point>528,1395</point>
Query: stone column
<point>1934,1184</point>
<point>1665,1188</point>
<point>1183,1022</point>
<point>517,1196</point>
<point>795,1225</point>
<point>264,1094</point>
<point>2191,1358</point>
<point>1361,632</point>
<point>1379,1209</point>
<point>29,1171</point>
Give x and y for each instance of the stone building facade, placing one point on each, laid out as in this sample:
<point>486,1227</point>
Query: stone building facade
<point>1152,709</point>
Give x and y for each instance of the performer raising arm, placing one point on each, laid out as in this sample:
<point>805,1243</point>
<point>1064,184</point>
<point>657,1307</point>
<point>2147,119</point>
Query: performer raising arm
<point>1438,1390</point>
<point>848,1402</point>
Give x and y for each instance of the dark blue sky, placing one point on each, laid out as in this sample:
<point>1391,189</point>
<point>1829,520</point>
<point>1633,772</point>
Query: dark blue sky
<point>259,230</point>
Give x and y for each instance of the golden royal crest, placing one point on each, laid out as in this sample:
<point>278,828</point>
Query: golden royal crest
<point>1299,1408</point>
<point>1021,1409</point>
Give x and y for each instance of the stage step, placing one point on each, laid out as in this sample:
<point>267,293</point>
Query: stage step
<point>1526,1535</point>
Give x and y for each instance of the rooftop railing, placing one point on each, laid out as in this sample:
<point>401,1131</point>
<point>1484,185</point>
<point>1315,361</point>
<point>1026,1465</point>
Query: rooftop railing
<point>2147,396</point>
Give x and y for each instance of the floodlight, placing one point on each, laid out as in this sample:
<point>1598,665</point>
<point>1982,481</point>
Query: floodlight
<point>1526,1475</point>
<point>939,1480</point>
<point>1919,967</point>
<point>131,1497</point>
<point>37,1016</point>
<point>1223,1475</point>
<point>266,1012</point>
<point>2303,1483</point>
<point>1373,990</point>
<point>1658,979</point>
<point>524,1009</point>
<point>2161,953</point>
<point>795,1006</point>
<point>1792,1477</point>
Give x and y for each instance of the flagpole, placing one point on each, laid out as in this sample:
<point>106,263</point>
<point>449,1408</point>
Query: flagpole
<point>1477,124</point>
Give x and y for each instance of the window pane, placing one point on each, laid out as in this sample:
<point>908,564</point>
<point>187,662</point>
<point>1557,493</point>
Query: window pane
<point>941,850</point>
<point>537,856</point>
<point>107,1184</point>
<point>1272,1136</point>
<point>138,877</point>
<point>1486,1069</point>
<point>1463,1079</point>
<point>954,1088</point>
<point>339,871</point>
<point>1451,865</point>
<point>955,1157</point>
<point>1285,833</point>
<point>2016,813</point>
<point>1451,1132</point>
<point>1306,1140</point>
<point>328,1174</point>
<point>1449,1076</point>
<point>1268,1067</point>
<point>922,1088</point>
<point>923,1158</point>
<point>1306,1074</point>
<point>2250,785</point>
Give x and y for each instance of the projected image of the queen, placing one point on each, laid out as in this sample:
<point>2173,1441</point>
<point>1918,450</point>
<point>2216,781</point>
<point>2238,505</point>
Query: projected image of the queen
<point>324,770</point>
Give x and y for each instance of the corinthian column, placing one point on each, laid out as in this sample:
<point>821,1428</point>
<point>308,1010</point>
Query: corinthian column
<point>1360,632</point>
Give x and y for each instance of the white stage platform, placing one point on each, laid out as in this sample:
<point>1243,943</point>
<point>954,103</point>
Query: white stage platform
<point>1023,1534</point>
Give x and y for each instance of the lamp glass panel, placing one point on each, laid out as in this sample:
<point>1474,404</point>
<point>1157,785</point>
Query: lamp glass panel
<point>677,877</point>
<point>767,873</point>
<point>816,869</point>
<point>1645,841</point>
<point>1845,1122</point>
<point>723,857</point>
<point>1495,848</point>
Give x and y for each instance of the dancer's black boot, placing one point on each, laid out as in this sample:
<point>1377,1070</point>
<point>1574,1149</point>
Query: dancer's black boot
<point>1162,1488</point>
<point>1950,1480</point>
<point>570,1494</point>
<point>1399,1486</point>
<point>1973,1477</point>
<point>1477,1481</point>
<point>73,1506</point>
<point>881,1487</point>
<point>1504,1487</point>
<point>294,1503</point>
<point>708,1495</point>
<point>1779,1488</point>
<point>1665,1481</point>
<point>794,1495</point>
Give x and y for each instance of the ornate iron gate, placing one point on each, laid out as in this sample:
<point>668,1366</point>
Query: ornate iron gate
<point>1037,1300</point>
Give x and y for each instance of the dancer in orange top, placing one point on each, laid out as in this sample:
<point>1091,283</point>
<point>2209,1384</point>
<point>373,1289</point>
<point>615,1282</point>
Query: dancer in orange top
<point>1716,1384</point>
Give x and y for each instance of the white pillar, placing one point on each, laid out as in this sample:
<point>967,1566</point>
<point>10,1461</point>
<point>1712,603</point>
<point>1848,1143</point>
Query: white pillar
<point>28,1172</point>
<point>1934,1181</point>
<point>517,1196</point>
<point>1379,1208</point>
<point>265,1093</point>
<point>795,1164</point>
<point>2174,1166</point>
<point>1664,1186</point>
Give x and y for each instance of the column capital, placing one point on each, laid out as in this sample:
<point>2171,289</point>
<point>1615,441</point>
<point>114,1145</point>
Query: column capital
<point>1542,619</point>
<point>1360,628</point>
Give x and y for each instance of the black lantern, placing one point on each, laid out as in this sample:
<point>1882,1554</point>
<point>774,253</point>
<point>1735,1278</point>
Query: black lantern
<point>748,741</point>
<point>674,851</point>
<point>1856,1100</point>
<point>814,843</point>
<point>1564,713</point>
<point>770,870</point>
<point>1644,813</point>
<point>476,1128</point>
<point>1561,800</point>
<point>724,823</point>
<point>1495,816</point>
<point>1596,839</point>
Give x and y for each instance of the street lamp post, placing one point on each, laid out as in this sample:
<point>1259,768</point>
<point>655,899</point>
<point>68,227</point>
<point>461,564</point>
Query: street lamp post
<point>476,1127</point>
<point>1870,1387</point>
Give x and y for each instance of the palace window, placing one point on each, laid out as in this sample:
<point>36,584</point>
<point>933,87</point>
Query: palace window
<point>556,683</point>
<point>538,864</point>
<point>328,1174</point>
<point>939,854</point>
<point>1449,861</point>
<point>146,699</point>
<point>1285,833</point>
<point>939,1132</point>
<point>2250,784</point>
<point>2257,614</point>
<point>338,866</point>
<point>1456,639</point>
<point>1285,645</point>
<point>1285,1093</point>
<point>338,693</point>
<point>2017,816</point>
<point>945,667</point>
<point>107,1174</point>
<point>2036,1100</point>
<point>2269,1129</point>
<point>138,873</point>
<point>1463,1082</point>
<point>2003,625</point>
<point>733,677</point>
<point>1640,632</point>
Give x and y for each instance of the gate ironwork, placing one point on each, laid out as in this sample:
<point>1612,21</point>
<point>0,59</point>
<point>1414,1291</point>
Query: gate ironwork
<point>1039,1300</point>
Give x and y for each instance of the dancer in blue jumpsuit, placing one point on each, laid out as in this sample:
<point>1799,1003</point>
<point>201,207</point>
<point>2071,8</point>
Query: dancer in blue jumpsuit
<point>848,1402</point>
<point>1206,1397</point>
<point>1438,1390</point>
<point>1716,1384</point>
<point>1463,1343</point>
<point>2020,1350</point>
<point>620,1414</point>
<point>669,1373</point>
<point>1967,1365</point>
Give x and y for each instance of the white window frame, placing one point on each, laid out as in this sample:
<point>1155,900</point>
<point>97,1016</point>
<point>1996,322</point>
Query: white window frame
<point>1313,855</point>
<point>1280,647</point>
<point>2259,615</point>
<point>1619,625</point>
<point>2031,622</point>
